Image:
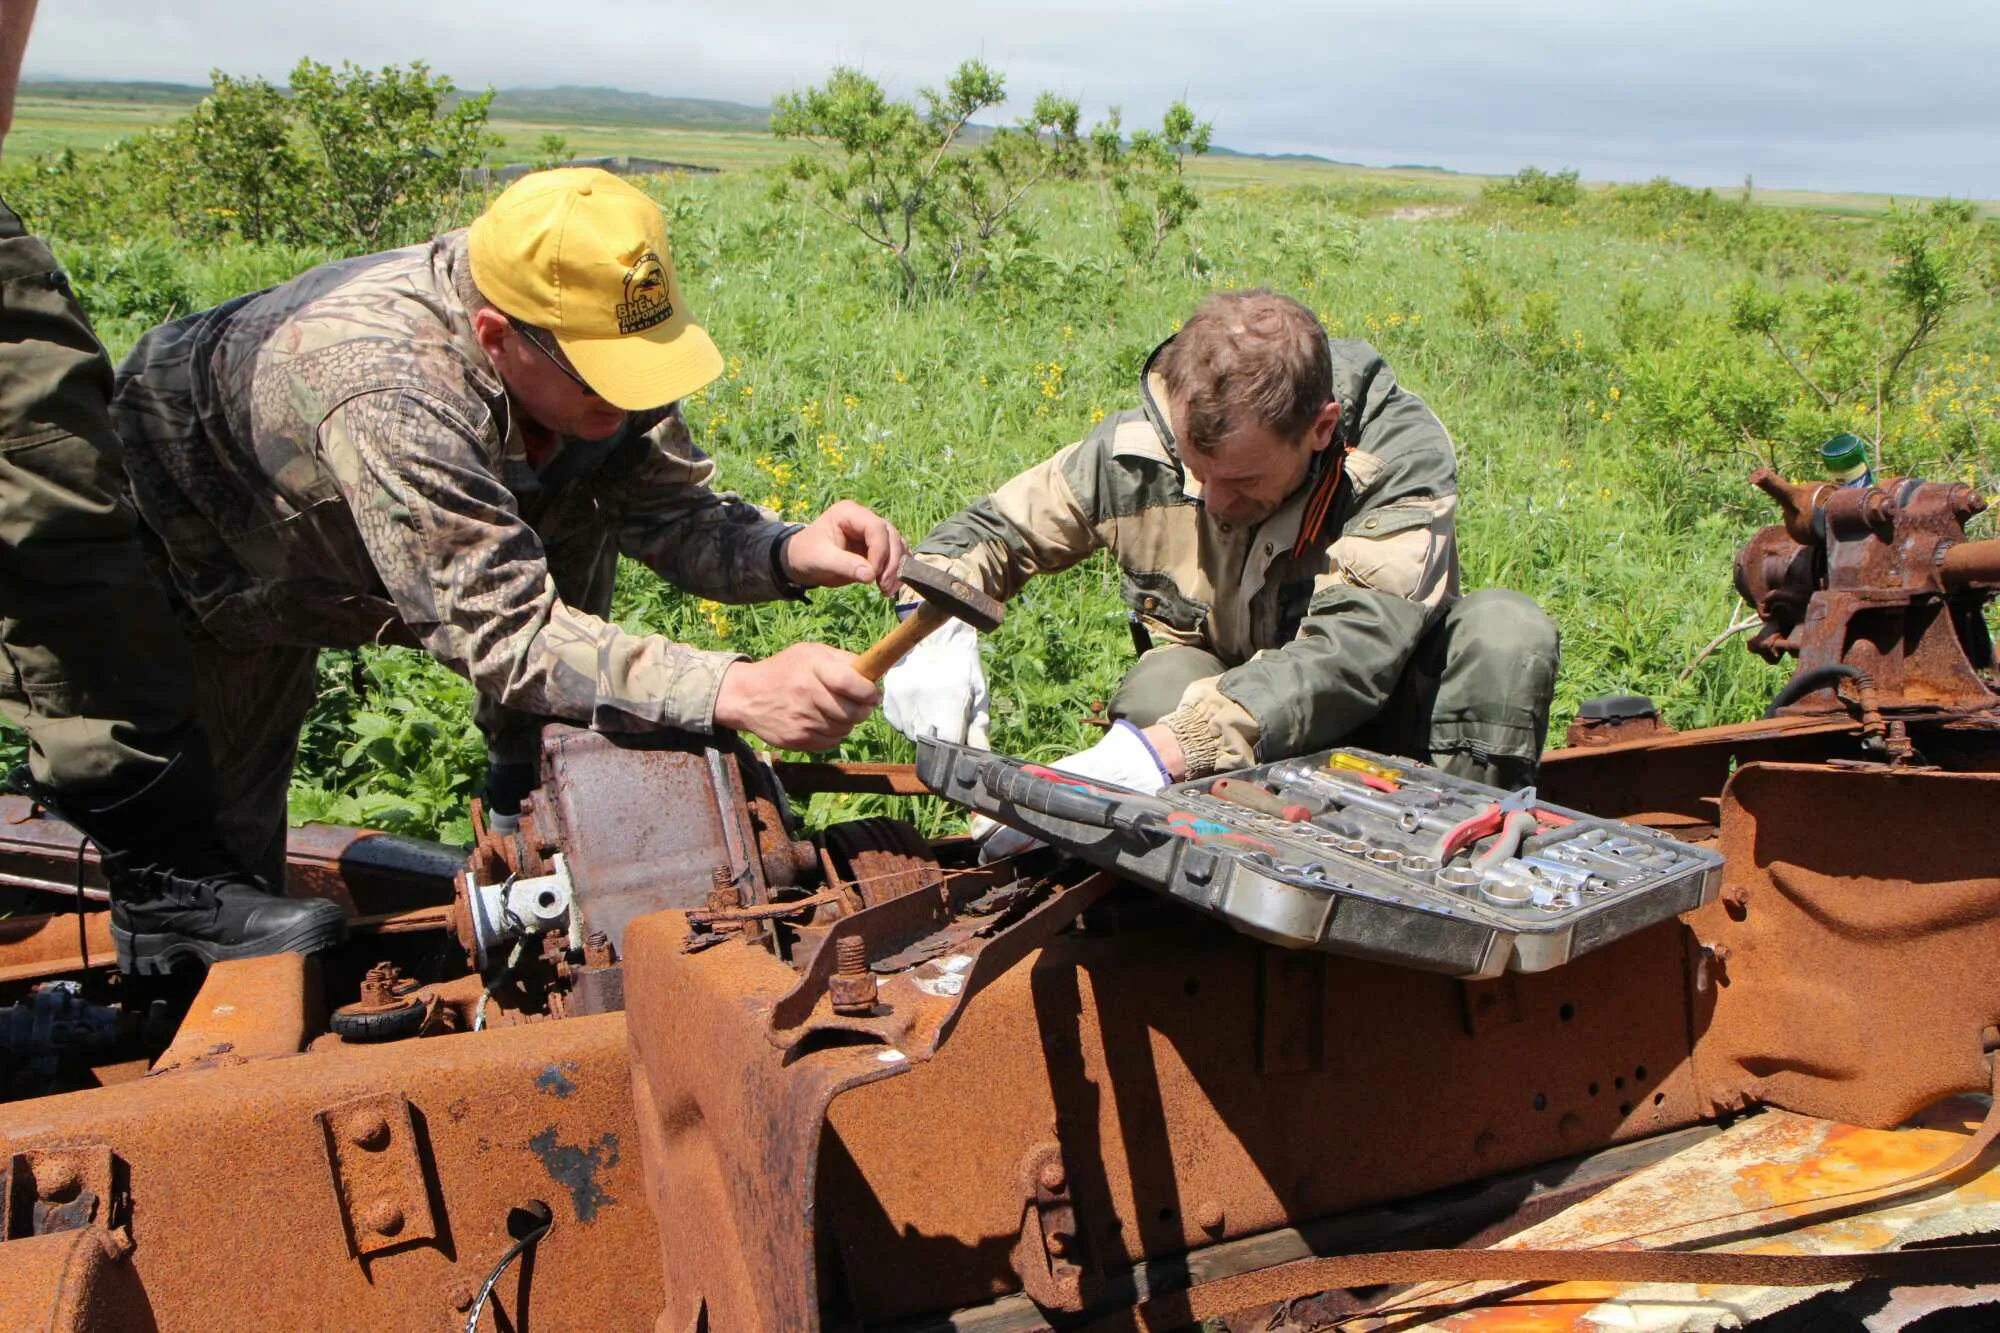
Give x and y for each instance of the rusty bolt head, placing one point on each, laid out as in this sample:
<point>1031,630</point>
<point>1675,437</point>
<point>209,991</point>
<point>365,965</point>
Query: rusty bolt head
<point>57,1180</point>
<point>1056,1243</point>
<point>1208,1215</point>
<point>370,1131</point>
<point>382,1217</point>
<point>1989,1038</point>
<point>1053,1177</point>
<point>1719,952</point>
<point>1736,896</point>
<point>462,1294</point>
<point>853,995</point>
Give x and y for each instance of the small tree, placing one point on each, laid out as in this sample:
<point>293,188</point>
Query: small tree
<point>392,145</point>
<point>247,171</point>
<point>1149,176</point>
<point>881,164</point>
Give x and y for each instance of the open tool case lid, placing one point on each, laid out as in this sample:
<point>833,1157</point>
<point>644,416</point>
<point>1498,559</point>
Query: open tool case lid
<point>1356,853</point>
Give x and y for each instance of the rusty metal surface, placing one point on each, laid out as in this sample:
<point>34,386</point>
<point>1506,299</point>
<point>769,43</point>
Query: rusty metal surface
<point>1881,579</point>
<point>730,1128</point>
<point>646,825</point>
<point>1126,1046</point>
<point>378,1172</point>
<point>1764,1186</point>
<point>34,947</point>
<point>247,1009</point>
<point>1851,957</point>
<point>1502,1205</point>
<point>72,1282</point>
<point>1674,780</point>
<point>879,858</point>
<point>810,779</point>
<point>235,1206</point>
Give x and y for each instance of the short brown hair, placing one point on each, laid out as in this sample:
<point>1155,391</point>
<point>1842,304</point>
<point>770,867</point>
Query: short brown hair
<point>1249,355</point>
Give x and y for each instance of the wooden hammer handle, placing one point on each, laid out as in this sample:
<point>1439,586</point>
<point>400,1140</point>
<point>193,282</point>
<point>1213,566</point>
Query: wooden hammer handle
<point>888,650</point>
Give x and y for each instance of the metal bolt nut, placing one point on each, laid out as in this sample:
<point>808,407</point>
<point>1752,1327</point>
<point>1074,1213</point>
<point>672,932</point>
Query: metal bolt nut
<point>852,985</point>
<point>383,1218</point>
<point>57,1180</point>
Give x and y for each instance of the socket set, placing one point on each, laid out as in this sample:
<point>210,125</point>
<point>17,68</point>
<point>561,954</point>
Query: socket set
<point>1356,853</point>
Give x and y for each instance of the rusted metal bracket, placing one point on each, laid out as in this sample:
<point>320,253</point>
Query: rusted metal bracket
<point>46,1190</point>
<point>1047,1257</point>
<point>379,1175</point>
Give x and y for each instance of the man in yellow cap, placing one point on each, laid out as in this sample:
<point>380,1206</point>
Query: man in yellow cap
<point>448,447</point>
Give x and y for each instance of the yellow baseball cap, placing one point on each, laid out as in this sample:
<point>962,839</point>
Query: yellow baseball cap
<point>580,253</point>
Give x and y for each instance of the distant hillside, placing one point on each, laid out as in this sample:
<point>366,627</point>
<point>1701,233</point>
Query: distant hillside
<point>614,106</point>
<point>96,90</point>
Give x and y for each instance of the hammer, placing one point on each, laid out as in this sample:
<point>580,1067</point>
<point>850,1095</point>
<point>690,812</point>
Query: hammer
<point>945,598</point>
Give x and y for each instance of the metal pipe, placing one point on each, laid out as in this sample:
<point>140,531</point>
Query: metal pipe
<point>1970,565</point>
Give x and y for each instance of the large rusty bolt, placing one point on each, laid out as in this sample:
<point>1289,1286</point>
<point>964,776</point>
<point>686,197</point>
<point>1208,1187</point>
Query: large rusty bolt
<point>383,1218</point>
<point>852,985</point>
<point>370,1131</point>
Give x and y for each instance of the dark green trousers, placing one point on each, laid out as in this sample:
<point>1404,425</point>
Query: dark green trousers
<point>93,666</point>
<point>1473,701</point>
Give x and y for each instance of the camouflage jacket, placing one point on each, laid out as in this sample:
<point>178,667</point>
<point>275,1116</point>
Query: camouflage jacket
<point>335,462</point>
<point>1316,609</point>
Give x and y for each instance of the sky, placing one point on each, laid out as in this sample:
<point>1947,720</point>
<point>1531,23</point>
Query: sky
<point>1836,94</point>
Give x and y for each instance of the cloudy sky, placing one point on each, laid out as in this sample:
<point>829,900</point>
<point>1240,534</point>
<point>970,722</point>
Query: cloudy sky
<point>1833,94</point>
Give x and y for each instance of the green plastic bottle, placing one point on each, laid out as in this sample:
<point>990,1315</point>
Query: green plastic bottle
<point>1845,458</point>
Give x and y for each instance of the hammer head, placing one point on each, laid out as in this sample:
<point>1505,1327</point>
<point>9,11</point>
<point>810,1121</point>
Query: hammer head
<point>952,595</point>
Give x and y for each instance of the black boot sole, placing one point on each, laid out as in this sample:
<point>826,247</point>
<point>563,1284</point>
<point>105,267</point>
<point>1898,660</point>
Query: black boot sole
<point>158,955</point>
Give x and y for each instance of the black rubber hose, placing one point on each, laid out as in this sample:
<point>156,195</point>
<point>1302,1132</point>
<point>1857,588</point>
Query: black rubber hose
<point>1818,679</point>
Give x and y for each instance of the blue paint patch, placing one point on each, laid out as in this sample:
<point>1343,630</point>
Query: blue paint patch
<point>554,1080</point>
<point>575,1168</point>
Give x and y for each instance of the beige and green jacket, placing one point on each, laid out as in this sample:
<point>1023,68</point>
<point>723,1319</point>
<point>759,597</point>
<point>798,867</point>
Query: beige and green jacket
<point>1316,619</point>
<point>335,462</point>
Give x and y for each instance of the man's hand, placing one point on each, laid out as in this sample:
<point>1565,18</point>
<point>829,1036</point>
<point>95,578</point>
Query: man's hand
<point>938,689</point>
<point>849,543</point>
<point>805,698</point>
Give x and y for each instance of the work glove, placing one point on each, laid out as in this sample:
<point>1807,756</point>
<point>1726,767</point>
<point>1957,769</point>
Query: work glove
<point>938,688</point>
<point>1124,758</point>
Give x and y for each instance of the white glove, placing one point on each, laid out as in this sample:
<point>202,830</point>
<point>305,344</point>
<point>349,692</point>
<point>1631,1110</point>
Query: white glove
<point>938,689</point>
<point>1124,758</point>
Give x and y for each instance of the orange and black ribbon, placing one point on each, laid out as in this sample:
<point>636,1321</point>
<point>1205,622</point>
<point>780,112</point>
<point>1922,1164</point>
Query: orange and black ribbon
<point>1320,504</point>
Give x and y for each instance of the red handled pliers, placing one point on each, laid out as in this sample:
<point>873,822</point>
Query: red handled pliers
<point>1515,818</point>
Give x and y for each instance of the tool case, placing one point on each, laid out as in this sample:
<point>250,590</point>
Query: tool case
<point>1356,853</point>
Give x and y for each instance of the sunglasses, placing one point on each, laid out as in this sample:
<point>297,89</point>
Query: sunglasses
<point>535,337</point>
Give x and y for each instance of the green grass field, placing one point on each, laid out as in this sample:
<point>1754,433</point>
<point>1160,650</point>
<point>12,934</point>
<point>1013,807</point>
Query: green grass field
<point>1606,399</point>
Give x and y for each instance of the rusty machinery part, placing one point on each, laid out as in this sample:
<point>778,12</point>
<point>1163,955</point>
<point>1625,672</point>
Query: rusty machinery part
<point>516,909</point>
<point>879,859</point>
<point>389,1008</point>
<point>1612,718</point>
<point>1880,580</point>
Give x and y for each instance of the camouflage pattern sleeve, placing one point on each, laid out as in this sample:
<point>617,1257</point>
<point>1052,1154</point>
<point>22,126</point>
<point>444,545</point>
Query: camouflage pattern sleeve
<point>471,581</point>
<point>709,543</point>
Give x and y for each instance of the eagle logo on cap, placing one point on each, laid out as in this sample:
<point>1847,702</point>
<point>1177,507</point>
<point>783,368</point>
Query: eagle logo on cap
<point>645,302</point>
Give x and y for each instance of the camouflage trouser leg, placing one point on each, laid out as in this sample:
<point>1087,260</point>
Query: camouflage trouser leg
<point>253,706</point>
<point>1475,698</point>
<point>93,666</point>
<point>1154,685</point>
<point>585,570</point>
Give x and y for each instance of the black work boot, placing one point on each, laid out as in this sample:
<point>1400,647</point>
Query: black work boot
<point>176,892</point>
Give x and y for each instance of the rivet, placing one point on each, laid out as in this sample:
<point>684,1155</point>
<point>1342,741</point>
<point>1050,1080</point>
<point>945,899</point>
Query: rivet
<point>462,1295</point>
<point>370,1131</point>
<point>383,1218</point>
<point>1053,1177</point>
<point>1208,1215</point>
